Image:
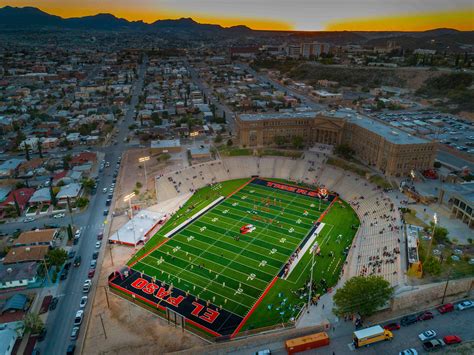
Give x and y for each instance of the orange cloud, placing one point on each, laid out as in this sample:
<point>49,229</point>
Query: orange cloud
<point>460,19</point>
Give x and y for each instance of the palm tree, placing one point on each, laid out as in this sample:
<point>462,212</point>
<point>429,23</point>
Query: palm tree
<point>33,323</point>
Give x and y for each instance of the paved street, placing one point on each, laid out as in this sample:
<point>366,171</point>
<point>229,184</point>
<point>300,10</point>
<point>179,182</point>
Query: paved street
<point>307,101</point>
<point>220,107</point>
<point>454,323</point>
<point>60,321</point>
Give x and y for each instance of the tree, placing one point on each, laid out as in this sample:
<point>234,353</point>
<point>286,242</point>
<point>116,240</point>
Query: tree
<point>440,233</point>
<point>280,141</point>
<point>17,205</point>
<point>56,257</point>
<point>432,266</point>
<point>362,295</point>
<point>297,142</point>
<point>27,151</point>
<point>82,202</point>
<point>40,149</point>
<point>156,118</point>
<point>344,151</point>
<point>69,232</point>
<point>33,323</point>
<point>229,142</point>
<point>218,139</point>
<point>54,201</point>
<point>88,184</point>
<point>66,161</point>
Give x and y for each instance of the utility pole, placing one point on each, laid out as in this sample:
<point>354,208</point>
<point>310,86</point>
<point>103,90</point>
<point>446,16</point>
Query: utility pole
<point>428,252</point>
<point>107,297</point>
<point>312,251</point>
<point>47,272</point>
<point>446,287</point>
<point>103,327</point>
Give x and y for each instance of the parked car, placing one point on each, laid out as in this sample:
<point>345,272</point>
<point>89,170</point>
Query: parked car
<point>83,301</point>
<point>71,254</point>
<point>445,308</point>
<point>74,333</point>
<point>425,316</point>
<point>42,335</point>
<point>411,319</point>
<point>95,255</point>
<point>59,215</point>
<point>64,275</point>
<point>53,304</point>
<point>67,266</point>
<point>432,345</point>
<point>93,263</point>
<point>465,305</point>
<point>408,352</point>
<point>392,326</point>
<point>78,318</point>
<point>70,349</point>
<point>87,286</point>
<point>452,339</point>
<point>100,236</point>
<point>98,244</point>
<point>106,212</point>
<point>28,219</point>
<point>427,335</point>
<point>91,273</point>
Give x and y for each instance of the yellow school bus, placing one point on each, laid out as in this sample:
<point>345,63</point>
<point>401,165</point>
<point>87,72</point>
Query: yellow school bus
<point>367,336</point>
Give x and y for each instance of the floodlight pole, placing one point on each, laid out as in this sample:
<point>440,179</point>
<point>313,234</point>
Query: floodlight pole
<point>428,252</point>
<point>129,199</point>
<point>144,160</point>
<point>313,249</point>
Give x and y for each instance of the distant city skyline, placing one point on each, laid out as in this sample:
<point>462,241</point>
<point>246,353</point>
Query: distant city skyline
<point>304,15</point>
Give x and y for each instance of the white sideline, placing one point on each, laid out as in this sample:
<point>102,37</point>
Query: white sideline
<point>193,217</point>
<point>303,251</point>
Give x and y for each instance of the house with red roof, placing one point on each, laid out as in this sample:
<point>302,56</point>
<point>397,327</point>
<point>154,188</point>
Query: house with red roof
<point>83,158</point>
<point>22,196</point>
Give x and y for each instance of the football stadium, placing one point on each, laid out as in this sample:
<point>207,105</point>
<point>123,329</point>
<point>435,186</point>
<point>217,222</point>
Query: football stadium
<point>241,256</point>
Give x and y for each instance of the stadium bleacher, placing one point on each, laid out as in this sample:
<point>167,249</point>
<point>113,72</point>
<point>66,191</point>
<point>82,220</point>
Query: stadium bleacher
<point>376,247</point>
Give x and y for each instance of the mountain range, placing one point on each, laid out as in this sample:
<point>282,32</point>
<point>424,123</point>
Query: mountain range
<point>31,17</point>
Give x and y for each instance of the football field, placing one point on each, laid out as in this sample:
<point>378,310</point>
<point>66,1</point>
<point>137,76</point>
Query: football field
<point>213,261</point>
<point>219,266</point>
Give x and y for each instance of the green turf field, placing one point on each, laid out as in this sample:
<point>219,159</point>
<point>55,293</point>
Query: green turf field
<point>212,260</point>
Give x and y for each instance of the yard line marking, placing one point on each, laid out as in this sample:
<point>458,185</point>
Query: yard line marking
<point>203,288</point>
<point>234,270</point>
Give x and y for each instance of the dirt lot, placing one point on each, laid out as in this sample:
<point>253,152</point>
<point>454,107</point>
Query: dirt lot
<point>133,172</point>
<point>129,329</point>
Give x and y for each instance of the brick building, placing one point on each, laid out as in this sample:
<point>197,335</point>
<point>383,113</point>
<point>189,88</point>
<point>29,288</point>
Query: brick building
<point>390,150</point>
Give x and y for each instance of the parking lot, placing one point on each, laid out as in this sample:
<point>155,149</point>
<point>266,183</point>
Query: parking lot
<point>446,128</point>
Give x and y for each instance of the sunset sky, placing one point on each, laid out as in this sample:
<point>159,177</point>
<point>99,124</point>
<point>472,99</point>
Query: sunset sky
<point>305,15</point>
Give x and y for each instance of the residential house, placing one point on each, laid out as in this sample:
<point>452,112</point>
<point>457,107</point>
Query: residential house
<point>41,196</point>
<point>82,158</point>
<point>18,275</point>
<point>22,197</point>
<point>37,237</point>
<point>72,191</point>
<point>26,254</point>
<point>9,168</point>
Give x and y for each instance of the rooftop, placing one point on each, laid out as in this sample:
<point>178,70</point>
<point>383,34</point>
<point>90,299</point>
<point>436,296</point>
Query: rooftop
<point>166,143</point>
<point>23,254</point>
<point>14,272</point>
<point>391,134</point>
<point>36,236</point>
<point>277,116</point>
